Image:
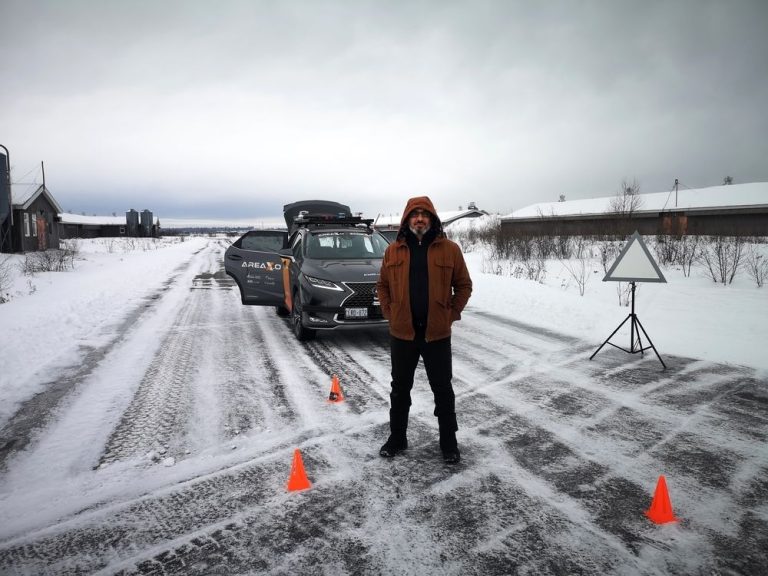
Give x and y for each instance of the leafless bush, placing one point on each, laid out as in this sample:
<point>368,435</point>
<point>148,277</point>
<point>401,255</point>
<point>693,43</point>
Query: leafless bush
<point>5,278</point>
<point>535,269</point>
<point>544,245</point>
<point>47,261</point>
<point>756,265</point>
<point>608,252</point>
<point>72,247</point>
<point>109,244</point>
<point>722,256</point>
<point>579,247</point>
<point>580,270</point>
<point>563,246</point>
<point>130,244</point>
<point>667,249</point>
<point>506,244</point>
<point>624,292</point>
<point>688,251</point>
<point>469,237</point>
<point>491,266</point>
<point>498,240</point>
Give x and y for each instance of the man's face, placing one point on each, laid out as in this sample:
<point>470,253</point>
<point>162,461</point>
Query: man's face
<point>419,222</point>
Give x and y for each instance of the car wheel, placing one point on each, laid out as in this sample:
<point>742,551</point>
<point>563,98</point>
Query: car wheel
<point>281,311</point>
<point>302,332</point>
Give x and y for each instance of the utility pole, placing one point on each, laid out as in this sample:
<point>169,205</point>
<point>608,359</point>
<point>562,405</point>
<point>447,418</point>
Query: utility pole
<point>676,182</point>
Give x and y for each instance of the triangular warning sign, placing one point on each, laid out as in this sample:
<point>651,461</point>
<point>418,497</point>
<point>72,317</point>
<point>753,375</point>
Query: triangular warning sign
<point>635,264</point>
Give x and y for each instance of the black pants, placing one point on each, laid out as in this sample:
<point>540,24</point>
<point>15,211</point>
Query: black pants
<point>405,356</point>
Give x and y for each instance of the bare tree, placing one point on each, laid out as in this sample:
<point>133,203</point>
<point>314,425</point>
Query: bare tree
<point>628,200</point>
<point>728,180</point>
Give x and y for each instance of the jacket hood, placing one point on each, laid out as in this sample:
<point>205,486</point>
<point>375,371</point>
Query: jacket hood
<point>420,203</point>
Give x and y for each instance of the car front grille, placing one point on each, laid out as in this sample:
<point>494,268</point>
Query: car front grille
<point>363,296</point>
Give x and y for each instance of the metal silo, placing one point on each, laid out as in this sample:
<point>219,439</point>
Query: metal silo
<point>132,220</point>
<point>146,223</point>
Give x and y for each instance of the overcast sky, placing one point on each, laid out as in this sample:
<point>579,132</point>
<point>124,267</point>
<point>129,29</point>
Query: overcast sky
<point>233,108</point>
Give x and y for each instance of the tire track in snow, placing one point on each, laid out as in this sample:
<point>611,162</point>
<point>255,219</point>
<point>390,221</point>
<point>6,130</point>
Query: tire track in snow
<point>162,404</point>
<point>34,414</point>
<point>360,387</point>
<point>247,381</point>
<point>156,419</point>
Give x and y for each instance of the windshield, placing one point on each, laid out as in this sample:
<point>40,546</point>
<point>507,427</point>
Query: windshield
<point>346,245</point>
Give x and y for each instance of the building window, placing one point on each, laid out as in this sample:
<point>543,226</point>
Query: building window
<point>26,224</point>
<point>122,230</point>
<point>34,224</point>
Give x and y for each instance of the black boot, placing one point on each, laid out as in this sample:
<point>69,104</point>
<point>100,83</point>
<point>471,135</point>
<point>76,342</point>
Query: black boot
<point>452,456</point>
<point>394,445</point>
<point>398,426</point>
<point>448,444</point>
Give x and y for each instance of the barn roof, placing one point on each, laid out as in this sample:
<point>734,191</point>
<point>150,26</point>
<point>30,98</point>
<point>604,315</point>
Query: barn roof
<point>446,217</point>
<point>734,196</point>
<point>22,196</point>
<point>69,218</point>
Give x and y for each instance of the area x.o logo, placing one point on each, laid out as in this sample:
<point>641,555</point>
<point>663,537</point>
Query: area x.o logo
<point>268,266</point>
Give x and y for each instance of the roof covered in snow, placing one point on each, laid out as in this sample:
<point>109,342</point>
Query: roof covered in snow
<point>68,218</point>
<point>22,195</point>
<point>446,217</point>
<point>733,196</point>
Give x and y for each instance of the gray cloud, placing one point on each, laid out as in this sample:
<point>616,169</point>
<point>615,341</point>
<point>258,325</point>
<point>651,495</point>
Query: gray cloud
<point>247,105</point>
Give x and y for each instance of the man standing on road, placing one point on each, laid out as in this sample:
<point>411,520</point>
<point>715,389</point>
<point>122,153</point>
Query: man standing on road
<point>423,287</point>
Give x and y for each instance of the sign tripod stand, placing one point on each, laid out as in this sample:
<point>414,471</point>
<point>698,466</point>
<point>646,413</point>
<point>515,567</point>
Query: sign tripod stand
<point>634,264</point>
<point>635,327</point>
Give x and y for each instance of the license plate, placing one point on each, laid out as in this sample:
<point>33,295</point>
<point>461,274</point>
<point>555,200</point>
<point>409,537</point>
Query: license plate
<point>356,313</point>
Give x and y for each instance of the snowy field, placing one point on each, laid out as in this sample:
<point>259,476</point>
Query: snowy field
<point>148,419</point>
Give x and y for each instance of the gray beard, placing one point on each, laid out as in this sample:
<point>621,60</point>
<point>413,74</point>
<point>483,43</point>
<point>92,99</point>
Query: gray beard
<point>419,236</point>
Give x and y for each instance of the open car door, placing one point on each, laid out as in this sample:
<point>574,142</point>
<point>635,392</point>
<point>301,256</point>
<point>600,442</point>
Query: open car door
<point>260,272</point>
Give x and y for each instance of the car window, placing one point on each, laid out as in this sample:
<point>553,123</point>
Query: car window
<point>390,235</point>
<point>262,242</point>
<point>345,245</point>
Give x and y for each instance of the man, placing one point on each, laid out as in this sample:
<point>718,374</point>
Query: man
<point>423,287</point>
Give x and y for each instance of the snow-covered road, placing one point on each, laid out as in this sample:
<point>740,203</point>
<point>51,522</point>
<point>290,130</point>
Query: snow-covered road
<point>168,448</point>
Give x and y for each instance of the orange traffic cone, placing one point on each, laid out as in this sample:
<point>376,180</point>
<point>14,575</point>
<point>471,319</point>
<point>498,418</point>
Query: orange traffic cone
<point>298,479</point>
<point>335,395</point>
<point>660,511</point>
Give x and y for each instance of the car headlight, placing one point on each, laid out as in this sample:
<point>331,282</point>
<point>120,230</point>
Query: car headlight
<point>327,284</point>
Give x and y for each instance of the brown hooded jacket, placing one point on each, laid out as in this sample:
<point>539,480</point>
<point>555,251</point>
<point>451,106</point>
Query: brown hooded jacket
<point>449,283</point>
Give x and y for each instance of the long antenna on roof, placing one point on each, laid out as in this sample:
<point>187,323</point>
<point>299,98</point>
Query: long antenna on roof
<point>42,167</point>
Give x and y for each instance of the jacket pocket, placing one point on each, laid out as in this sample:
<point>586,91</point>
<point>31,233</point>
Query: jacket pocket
<point>443,318</point>
<point>394,271</point>
<point>444,271</point>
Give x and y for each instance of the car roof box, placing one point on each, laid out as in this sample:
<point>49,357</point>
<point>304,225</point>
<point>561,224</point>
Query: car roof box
<point>319,208</point>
